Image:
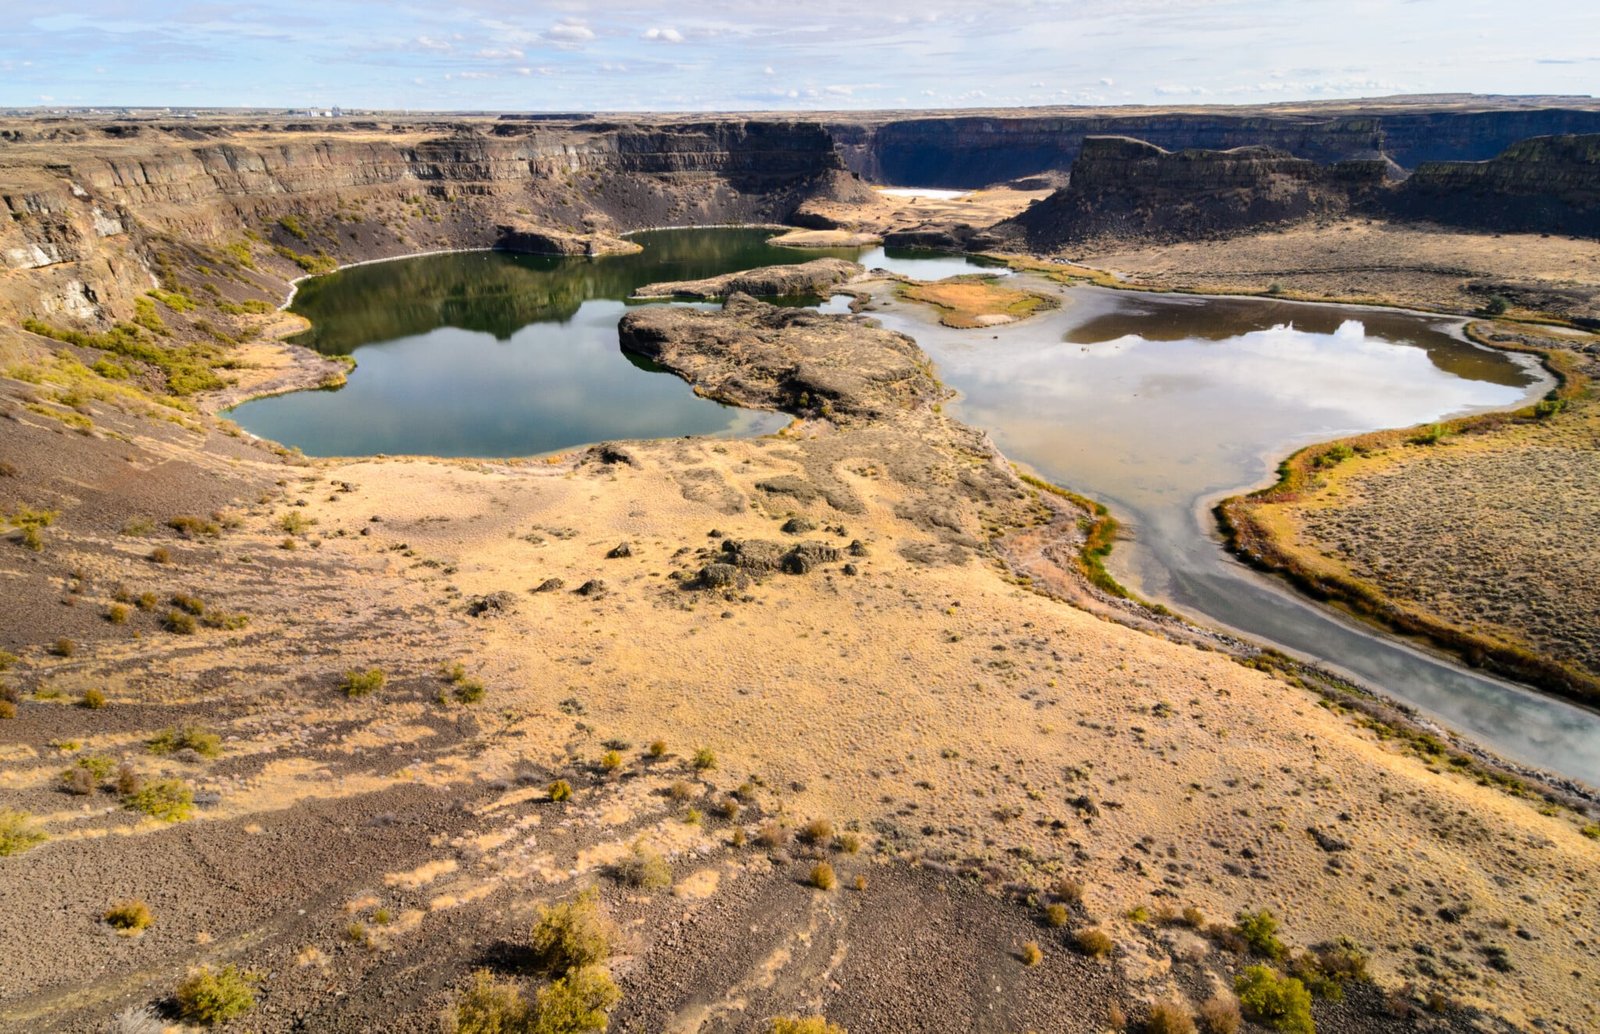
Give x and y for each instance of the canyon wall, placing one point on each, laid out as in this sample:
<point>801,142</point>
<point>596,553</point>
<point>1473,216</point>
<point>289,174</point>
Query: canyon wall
<point>974,151</point>
<point>1135,191</point>
<point>93,207</point>
<point>1544,185</point>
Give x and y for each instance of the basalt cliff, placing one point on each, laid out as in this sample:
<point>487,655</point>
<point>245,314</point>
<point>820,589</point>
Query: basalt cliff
<point>100,213</point>
<point>1127,189</point>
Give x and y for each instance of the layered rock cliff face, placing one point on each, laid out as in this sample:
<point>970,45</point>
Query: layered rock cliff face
<point>96,213</point>
<point>1547,184</point>
<point>976,151</point>
<point>1125,188</point>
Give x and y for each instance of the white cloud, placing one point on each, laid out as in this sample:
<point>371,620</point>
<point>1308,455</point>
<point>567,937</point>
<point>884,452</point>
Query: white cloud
<point>571,30</point>
<point>666,35</point>
<point>500,54</point>
<point>429,43</point>
<point>769,70</point>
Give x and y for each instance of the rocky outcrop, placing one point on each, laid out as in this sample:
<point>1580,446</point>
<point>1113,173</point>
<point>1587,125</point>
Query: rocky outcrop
<point>798,360</point>
<point>1130,189</point>
<point>801,280</point>
<point>533,240</point>
<point>1548,184</point>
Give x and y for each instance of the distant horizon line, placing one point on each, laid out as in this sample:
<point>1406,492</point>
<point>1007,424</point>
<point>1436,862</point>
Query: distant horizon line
<point>556,113</point>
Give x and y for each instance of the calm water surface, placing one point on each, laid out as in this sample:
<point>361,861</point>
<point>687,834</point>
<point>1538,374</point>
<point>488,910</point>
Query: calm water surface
<point>494,354</point>
<point>1159,405</point>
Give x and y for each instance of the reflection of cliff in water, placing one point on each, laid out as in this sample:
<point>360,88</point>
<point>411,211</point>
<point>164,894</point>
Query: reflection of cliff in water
<point>499,293</point>
<point>1174,318</point>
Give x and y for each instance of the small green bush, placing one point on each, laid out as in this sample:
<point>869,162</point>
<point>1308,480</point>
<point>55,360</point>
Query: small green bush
<point>1032,954</point>
<point>492,1005</point>
<point>93,699</point>
<point>129,917</point>
<point>822,876</point>
<point>560,791</point>
<point>209,997</point>
<point>816,832</point>
<point>470,691</point>
<point>361,683</point>
<point>1496,305</point>
<point>572,935</point>
<point>577,1003</point>
<point>190,737</point>
<point>1326,968</point>
<point>704,760</point>
<point>179,622</point>
<point>1275,1001</point>
<point>192,527</point>
<point>18,833</point>
<point>295,523</point>
<point>1260,933</point>
<point>1094,942</point>
<point>166,799</point>
<point>657,747</point>
<point>1056,915</point>
<point>118,613</point>
<point>1433,434</point>
<point>644,867</point>
<point>63,647</point>
<point>610,761</point>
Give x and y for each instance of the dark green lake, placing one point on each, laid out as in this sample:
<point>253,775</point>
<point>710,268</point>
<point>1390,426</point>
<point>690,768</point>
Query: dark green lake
<point>494,354</point>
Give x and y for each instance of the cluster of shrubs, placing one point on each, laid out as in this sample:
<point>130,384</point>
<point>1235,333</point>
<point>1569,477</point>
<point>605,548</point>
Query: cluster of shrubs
<point>190,612</point>
<point>169,800</point>
<point>571,943</point>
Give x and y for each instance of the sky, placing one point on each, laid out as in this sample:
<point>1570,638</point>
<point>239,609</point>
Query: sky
<point>708,55</point>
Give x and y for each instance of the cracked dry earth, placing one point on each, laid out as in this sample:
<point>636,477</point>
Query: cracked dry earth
<point>980,739</point>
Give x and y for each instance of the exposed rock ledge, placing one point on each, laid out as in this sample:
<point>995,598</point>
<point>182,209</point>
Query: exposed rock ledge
<point>535,240</point>
<point>768,357</point>
<point>773,281</point>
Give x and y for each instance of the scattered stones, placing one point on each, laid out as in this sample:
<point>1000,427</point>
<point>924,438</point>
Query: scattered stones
<point>548,585</point>
<point>592,588</point>
<point>798,525</point>
<point>620,551</point>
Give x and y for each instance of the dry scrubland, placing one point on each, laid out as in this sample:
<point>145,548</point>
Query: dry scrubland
<point>1514,550</point>
<point>809,713</point>
<point>363,842</point>
<point>1430,268</point>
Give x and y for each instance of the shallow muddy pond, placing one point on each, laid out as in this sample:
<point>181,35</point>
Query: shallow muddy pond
<point>494,354</point>
<point>1158,405</point>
